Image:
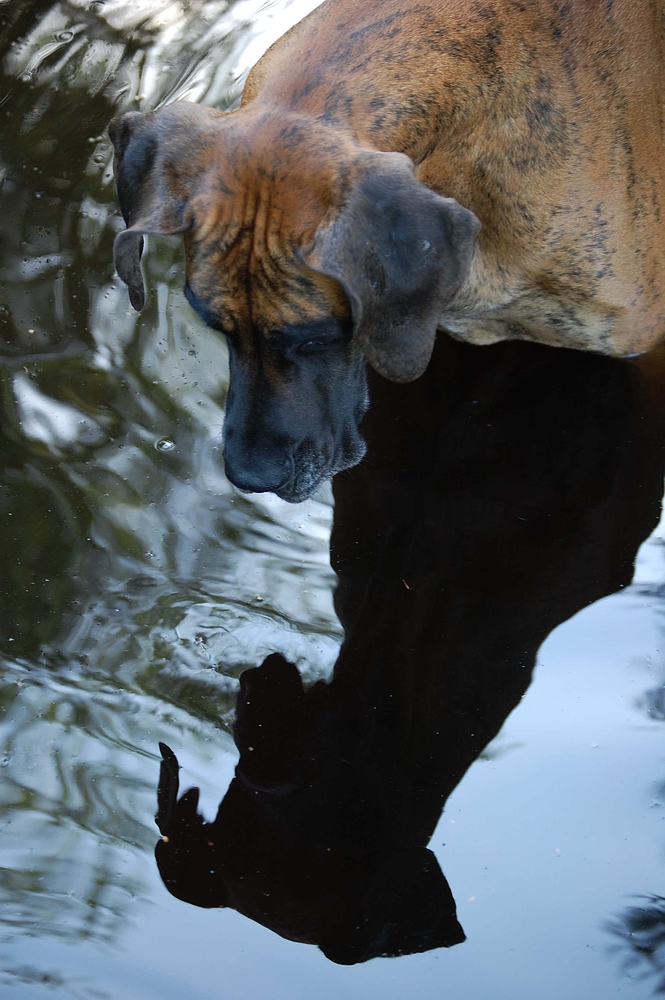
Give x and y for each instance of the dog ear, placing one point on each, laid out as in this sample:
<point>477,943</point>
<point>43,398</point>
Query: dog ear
<point>157,163</point>
<point>400,252</point>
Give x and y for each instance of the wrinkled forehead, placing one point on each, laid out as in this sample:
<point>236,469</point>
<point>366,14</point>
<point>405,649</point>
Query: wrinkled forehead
<point>252,215</point>
<point>251,285</point>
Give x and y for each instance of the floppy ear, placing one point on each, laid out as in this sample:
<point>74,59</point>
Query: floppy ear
<point>186,854</point>
<point>400,252</point>
<point>158,160</point>
<point>268,731</point>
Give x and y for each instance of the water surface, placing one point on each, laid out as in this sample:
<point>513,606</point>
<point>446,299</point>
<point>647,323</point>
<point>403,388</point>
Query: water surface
<point>496,524</point>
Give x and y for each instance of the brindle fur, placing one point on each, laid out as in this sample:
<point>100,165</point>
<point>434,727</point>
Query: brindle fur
<point>542,118</point>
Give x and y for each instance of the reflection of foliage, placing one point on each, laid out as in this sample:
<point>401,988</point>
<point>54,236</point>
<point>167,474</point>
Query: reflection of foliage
<point>135,584</point>
<point>69,804</point>
<point>654,591</point>
<point>641,933</point>
<point>654,702</point>
<point>30,975</point>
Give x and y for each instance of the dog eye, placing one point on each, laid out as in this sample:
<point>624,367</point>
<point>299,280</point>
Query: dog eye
<point>318,345</point>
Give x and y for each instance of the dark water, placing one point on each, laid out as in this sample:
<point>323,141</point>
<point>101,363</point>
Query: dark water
<point>506,499</point>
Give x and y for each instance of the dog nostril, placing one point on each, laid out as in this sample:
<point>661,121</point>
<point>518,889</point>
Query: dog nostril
<point>258,474</point>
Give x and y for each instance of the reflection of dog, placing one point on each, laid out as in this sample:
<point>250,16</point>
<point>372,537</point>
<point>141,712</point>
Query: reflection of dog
<point>324,218</point>
<point>487,513</point>
<point>316,862</point>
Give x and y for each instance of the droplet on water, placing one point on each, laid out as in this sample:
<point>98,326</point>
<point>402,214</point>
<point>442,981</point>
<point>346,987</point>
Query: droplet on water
<point>165,444</point>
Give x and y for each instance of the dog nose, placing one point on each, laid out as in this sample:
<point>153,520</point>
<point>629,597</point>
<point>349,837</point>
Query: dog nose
<point>257,472</point>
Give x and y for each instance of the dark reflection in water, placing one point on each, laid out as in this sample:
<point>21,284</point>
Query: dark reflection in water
<point>504,491</point>
<point>640,931</point>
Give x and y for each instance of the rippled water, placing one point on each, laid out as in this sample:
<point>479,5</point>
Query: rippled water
<point>507,491</point>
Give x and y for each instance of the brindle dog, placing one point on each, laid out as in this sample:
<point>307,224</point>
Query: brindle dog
<point>336,216</point>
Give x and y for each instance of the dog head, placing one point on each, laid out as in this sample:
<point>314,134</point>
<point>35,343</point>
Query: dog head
<point>310,253</point>
<point>310,839</point>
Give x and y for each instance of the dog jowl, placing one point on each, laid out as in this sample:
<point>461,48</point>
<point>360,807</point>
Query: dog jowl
<point>310,254</point>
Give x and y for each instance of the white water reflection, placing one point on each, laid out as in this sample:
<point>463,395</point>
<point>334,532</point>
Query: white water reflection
<point>198,51</point>
<point>57,425</point>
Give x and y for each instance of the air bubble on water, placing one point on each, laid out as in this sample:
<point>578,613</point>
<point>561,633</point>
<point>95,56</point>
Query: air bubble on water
<point>165,444</point>
<point>65,36</point>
